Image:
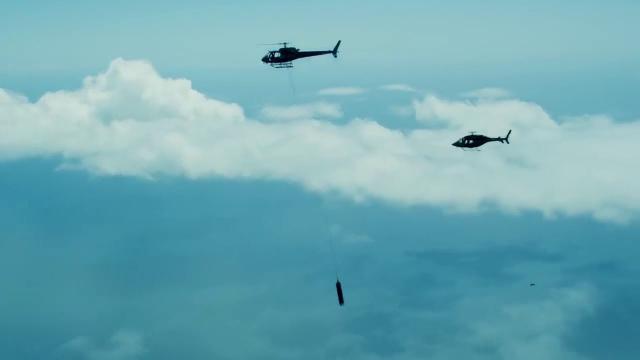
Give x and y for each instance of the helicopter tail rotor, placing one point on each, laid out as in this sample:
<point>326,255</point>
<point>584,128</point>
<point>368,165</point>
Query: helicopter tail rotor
<point>335,49</point>
<point>506,138</point>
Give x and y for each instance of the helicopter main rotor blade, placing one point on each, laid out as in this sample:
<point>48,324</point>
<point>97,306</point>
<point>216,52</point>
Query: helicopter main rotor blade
<point>279,43</point>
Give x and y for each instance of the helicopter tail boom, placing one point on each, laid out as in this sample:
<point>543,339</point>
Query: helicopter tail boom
<point>335,49</point>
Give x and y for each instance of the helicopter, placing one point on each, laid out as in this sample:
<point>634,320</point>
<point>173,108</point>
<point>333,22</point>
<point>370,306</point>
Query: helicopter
<point>283,57</point>
<point>473,140</point>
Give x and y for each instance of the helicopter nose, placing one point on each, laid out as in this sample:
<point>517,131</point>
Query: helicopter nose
<point>264,59</point>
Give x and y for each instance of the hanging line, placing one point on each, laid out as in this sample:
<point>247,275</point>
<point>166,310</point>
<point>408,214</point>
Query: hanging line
<point>330,240</point>
<point>291,83</point>
<point>332,250</point>
<point>334,257</point>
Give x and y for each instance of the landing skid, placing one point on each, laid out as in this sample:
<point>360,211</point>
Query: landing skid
<point>283,65</point>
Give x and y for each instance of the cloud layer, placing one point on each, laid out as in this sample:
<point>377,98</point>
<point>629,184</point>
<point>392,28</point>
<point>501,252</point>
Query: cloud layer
<point>316,110</point>
<point>123,345</point>
<point>131,121</point>
<point>487,93</point>
<point>398,87</point>
<point>342,91</point>
<point>245,270</point>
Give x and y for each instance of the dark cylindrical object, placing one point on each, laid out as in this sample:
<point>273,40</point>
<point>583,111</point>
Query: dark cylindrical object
<point>339,290</point>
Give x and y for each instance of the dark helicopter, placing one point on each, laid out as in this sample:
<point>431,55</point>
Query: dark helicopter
<point>283,57</point>
<point>473,140</point>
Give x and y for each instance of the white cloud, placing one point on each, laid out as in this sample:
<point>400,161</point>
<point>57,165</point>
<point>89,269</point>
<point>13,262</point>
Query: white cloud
<point>130,121</point>
<point>123,345</point>
<point>314,110</point>
<point>398,87</point>
<point>403,110</point>
<point>486,115</point>
<point>532,330</point>
<point>347,236</point>
<point>487,93</point>
<point>342,91</point>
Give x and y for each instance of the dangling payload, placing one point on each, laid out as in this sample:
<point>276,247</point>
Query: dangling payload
<point>340,295</point>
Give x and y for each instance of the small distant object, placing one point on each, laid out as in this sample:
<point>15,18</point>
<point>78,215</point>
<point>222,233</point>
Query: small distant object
<point>473,140</point>
<point>283,57</point>
<point>340,295</point>
<point>532,284</point>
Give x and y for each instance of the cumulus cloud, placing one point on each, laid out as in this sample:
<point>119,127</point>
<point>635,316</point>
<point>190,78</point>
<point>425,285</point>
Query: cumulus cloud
<point>342,91</point>
<point>402,110</point>
<point>131,121</point>
<point>486,114</point>
<point>398,87</point>
<point>487,93</point>
<point>342,234</point>
<point>316,110</point>
<point>535,329</point>
<point>123,345</point>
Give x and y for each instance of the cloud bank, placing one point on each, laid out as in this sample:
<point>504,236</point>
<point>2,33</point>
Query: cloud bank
<point>130,121</point>
<point>123,345</point>
<point>316,110</point>
<point>342,91</point>
<point>398,87</point>
<point>487,93</point>
<point>548,322</point>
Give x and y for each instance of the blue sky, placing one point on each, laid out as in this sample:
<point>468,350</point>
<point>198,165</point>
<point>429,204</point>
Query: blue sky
<point>580,49</point>
<point>165,195</point>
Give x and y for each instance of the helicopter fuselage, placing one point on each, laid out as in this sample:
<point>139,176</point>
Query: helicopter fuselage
<point>473,141</point>
<point>289,54</point>
<point>285,55</point>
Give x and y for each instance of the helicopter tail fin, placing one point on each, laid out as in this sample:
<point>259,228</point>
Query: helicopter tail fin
<point>335,49</point>
<point>506,138</point>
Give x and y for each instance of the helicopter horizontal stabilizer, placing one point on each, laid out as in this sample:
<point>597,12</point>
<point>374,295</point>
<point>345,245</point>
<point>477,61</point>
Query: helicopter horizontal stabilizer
<point>335,49</point>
